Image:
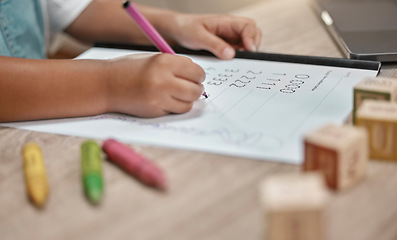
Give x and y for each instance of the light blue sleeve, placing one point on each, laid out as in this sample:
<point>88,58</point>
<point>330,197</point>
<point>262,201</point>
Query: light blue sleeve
<point>21,29</point>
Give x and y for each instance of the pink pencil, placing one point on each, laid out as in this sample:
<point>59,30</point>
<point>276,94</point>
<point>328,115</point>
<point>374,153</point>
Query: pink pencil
<point>134,164</point>
<point>149,30</point>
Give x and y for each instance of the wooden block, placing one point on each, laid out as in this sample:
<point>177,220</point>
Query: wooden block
<point>383,89</point>
<point>339,152</point>
<point>380,120</point>
<point>294,206</point>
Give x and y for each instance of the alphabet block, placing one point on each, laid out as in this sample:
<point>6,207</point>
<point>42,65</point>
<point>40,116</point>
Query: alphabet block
<point>380,120</point>
<point>294,206</point>
<point>383,89</point>
<point>339,152</point>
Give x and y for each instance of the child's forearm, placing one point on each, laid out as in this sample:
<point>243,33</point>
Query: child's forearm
<point>107,20</point>
<point>42,89</point>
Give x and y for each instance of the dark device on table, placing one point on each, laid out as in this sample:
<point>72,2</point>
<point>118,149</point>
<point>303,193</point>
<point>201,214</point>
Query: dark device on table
<point>364,29</point>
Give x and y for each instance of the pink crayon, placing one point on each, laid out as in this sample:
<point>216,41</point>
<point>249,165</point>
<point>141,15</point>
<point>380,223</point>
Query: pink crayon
<point>134,164</point>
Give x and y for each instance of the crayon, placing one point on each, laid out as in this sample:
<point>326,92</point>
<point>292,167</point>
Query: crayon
<point>91,166</point>
<point>35,174</point>
<point>134,164</point>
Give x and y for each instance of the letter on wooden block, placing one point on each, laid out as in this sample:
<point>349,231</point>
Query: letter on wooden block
<point>339,152</point>
<point>380,120</point>
<point>383,89</point>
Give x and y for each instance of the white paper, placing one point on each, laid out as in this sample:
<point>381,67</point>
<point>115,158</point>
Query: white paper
<point>256,109</point>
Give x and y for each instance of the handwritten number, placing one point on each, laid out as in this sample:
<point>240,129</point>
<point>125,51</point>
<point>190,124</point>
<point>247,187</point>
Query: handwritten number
<point>292,86</point>
<point>232,70</point>
<point>238,80</point>
<point>248,77</point>
<point>256,73</point>
<point>302,76</point>
<point>285,90</point>
<point>219,79</point>
<point>272,84</point>
<point>225,75</point>
<point>297,82</point>
<point>239,86</point>
<point>214,83</point>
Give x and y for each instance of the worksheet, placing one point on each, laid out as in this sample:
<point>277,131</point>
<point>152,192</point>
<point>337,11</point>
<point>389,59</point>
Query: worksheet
<point>256,109</point>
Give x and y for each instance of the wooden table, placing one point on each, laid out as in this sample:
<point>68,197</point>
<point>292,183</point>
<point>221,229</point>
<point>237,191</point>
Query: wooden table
<point>210,196</point>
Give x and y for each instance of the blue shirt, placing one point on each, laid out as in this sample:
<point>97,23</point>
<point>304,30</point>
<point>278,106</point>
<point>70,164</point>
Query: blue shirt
<point>21,29</point>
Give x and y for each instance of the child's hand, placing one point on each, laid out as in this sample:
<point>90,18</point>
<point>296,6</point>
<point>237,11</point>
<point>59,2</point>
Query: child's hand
<point>219,34</point>
<point>152,85</point>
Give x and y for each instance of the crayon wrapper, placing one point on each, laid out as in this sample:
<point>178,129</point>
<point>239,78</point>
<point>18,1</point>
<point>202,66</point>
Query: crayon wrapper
<point>34,169</point>
<point>91,161</point>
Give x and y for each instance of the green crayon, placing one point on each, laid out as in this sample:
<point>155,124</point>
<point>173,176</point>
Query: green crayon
<point>91,166</point>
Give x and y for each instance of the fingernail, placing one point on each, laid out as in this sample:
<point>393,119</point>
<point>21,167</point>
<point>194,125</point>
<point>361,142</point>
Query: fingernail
<point>228,53</point>
<point>253,48</point>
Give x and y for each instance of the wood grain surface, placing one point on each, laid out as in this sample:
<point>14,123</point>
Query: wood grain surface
<point>211,196</point>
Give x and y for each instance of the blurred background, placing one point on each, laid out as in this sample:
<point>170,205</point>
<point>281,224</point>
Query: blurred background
<point>66,47</point>
<point>199,6</point>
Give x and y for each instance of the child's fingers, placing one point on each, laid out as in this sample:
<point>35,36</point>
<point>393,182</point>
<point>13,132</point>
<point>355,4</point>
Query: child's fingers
<point>179,98</point>
<point>216,45</point>
<point>250,36</point>
<point>186,91</point>
<point>188,70</point>
<point>177,106</point>
<point>258,37</point>
<point>246,30</point>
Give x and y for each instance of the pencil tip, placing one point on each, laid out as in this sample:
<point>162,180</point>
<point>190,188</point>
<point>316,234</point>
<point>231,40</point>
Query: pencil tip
<point>126,4</point>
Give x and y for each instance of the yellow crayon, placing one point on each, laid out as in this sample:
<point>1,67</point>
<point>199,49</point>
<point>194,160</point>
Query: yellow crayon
<point>35,174</point>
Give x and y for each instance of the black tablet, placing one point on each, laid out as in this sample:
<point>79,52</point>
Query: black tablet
<point>364,29</point>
